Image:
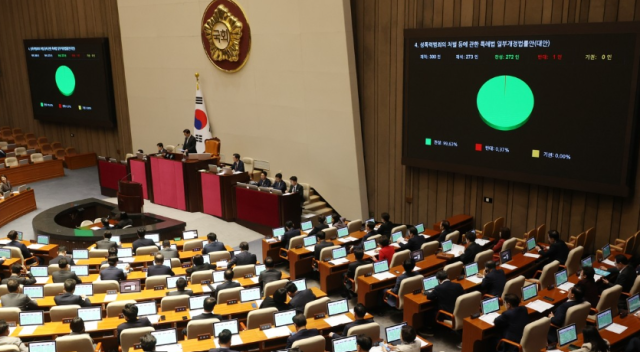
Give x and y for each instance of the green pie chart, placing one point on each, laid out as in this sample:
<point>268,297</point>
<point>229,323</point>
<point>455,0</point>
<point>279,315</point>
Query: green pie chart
<point>505,102</point>
<point>65,80</point>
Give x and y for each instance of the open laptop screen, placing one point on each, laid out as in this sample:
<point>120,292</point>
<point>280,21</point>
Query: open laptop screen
<point>5,253</point>
<point>279,232</point>
<point>197,302</point>
<point>561,277</point>
<point>250,294</point>
<point>80,254</point>
<point>417,255</point>
<point>339,253</point>
<point>35,291</point>
<point>395,237</point>
<point>284,318</point>
<point>428,283</point>
<point>301,284</point>
<point>529,292</point>
<point>310,241</point>
<point>606,251</point>
<point>490,305</point>
<point>393,333</point>
<point>343,232</point>
<point>231,325</point>
<point>587,262</point>
<point>43,239</point>
<point>90,314</point>
<point>633,303</point>
<point>165,337</point>
<point>129,286</point>
<point>147,308</point>
<point>80,270</point>
<point>604,319</point>
<point>446,246</point>
<point>471,269</point>
<point>420,228</point>
<point>370,245</point>
<point>39,271</point>
<point>531,244</point>
<point>259,268</point>
<point>381,266</point>
<point>189,235</point>
<point>345,344</point>
<point>32,318</point>
<point>306,226</point>
<point>337,307</point>
<point>125,252</point>
<point>505,256</point>
<point>84,289</point>
<point>42,346</point>
<point>153,236</point>
<point>567,334</point>
<point>172,280</point>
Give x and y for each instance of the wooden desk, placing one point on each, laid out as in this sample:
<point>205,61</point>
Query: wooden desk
<point>460,222</point>
<point>19,175</point>
<point>17,205</point>
<point>272,249</point>
<point>47,252</point>
<point>331,276</point>
<point>618,342</point>
<point>80,161</point>
<point>262,211</point>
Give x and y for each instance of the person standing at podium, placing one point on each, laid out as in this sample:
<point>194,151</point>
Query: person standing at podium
<point>189,144</point>
<point>238,165</point>
<point>279,184</point>
<point>264,181</point>
<point>296,188</point>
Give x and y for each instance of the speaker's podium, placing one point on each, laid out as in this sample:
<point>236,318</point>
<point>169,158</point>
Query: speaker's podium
<point>130,197</point>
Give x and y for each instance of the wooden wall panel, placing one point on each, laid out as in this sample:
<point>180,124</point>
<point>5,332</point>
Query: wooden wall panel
<point>413,195</point>
<point>45,19</point>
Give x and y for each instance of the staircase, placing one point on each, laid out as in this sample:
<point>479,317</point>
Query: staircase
<point>315,206</point>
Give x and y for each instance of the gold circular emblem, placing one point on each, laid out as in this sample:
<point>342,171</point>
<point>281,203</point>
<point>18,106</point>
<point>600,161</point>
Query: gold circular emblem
<point>225,35</point>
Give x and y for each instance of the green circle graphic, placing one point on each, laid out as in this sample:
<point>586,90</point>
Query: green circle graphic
<point>65,80</point>
<point>505,102</point>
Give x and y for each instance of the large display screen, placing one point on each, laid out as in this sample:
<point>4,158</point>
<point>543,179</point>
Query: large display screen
<point>70,81</point>
<point>550,105</point>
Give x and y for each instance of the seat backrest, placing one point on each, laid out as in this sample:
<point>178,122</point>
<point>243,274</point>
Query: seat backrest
<point>79,343</point>
<point>466,305</point>
<point>170,148</point>
<point>131,336</point>
<point>42,140</point>
<point>573,261</point>
<point>56,145</point>
<point>375,237</point>
<point>487,229</point>
<point>534,336</point>
<point>146,250</point>
<point>401,228</point>
<point>3,145</point>
<point>86,223</point>
<point>70,151</point>
<point>316,307</point>
<point>115,308</point>
<point>372,330</point>
<point>15,252</point>
<point>229,294</point>
<point>46,149</point>
<point>158,280</point>
<point>354,226</point>
<point>218,256</point>
<point>330,233</point>
<point>498,224</point>
<point>200,327</point>
<point>53,289</point>
<point>509,244</point>
<point>296,241</point>
<point>636,286</point>
<point>453,270</point>
<point>11,161</point>
<point>32,143</point>
<point>361,270</point>
<point>260,317</point>
<point>59,153</point>
<point>578,315</point>
<point>199,276</point>
<point>212,146</point>
<point>326,252</point>
<point>273,286</point>
<point>52,268</point>
<point>36,158</point>
<point>542,234</point>
<point>169,303</point>
<point>21,151</point>
<point>399,258</point>
<point>242,270</point>
<point>98,253</point>
<point>248,164</point>
<point>310,344</point>
<point>189,246</point>
<point>609,299</point>
<point>547,277</point>
<point>483,257</point>
<point>10,313</point>
<point>430,248</point>
<point>407,286</point>
<point>9,348</point>
<point>103,286</point>
<point>514,286</point>
<point>454,237</point>
<point>57,313</point>
<point>629,244</point>
<point>590,237</point>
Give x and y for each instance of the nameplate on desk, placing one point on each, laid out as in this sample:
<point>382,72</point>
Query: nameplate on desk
<point>298,246</point>
<point>186,265</point>
<point>197,249</point>
<point>265,327</point>
<point>204,337</point>
<point>144,270</point>
<point>368,274</point>
<point>67,320</point>
<point>417,291</point>
<point>181,309</point>
<point>137,346</point>
<point>11,324</point>
<point>319,316</point>
<point>444,256</point>
<point>248,276</point>
<point>232,301</point>
<point>205,282</point>
<point>158,287</point>
<point>112,292</point>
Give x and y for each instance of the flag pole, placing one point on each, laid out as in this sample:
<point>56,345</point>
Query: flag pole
<point>197,80</point>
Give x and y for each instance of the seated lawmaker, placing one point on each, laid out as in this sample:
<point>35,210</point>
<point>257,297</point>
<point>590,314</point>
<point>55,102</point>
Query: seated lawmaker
<point>409,341</point>
<point>323,242</point>
<point>386,251</point>
<point>445,229</point>
<point>13,236</point>
<point>244,257</point>
<point>512,322</point>
<point>626,275</point>
<point>302,332</point>
<point>557,249</point>
<point>359,312</point>
<point>228,283</point>
<point>112,272</point>
<point>494,279</point>
<point>353,266</point>
<point>224,342</point>
<point>106,242</point>
<point>68,298</point>
<point>278,301</point>
<point>290,233</point>
<point>213,245</point>
<point>17,299</point>
<point>386,226</point>
<point>62,253</point>
<point>124,221</point>
<point>167,251</point>
<point>269,274</point>
<point>505,234</point>
<point>445,295</point>
<point>161,149</point>
<point>207,306</point>
<point>321,225</point>
<point>574,297</point>
<point>64,273</point>
<point>469,254</point>
<point>199,265</point>
<point>588,283</point>
<point>279,184</point>
<point>264,181</point>
<point>16,270</point>
<point>415,241</point>
<point>130,312</point>
<point>408,266</point>
<point>338,221</point>
<point>158,267</point>
<point>141,241</point>
<point>181,289</point>
<point>10,341</point>
<point>238,165</point>
<point>5,185</point>
<point>299,299</point>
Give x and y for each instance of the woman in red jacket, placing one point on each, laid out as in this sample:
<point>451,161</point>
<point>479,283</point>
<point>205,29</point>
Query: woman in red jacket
<point>505,234</point>
<point>386,251</point>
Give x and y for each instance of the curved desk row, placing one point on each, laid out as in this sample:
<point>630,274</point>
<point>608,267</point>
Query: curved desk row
<point>17,205</point>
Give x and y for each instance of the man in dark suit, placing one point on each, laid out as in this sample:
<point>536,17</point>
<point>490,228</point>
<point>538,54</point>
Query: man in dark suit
<point>415,241</point>
<point>278,300</point>
<point>445,294</point>
<point>189,144</point>
<point>512,321</point>
<point>199,265</point>
<point>148,343</point>
<point>386,226</point>
<point>16,299</point>
<point>16,269</point>
<point>494,279</point>
<point>106,242</point>
<point>369,228</point>
<point>299,299</point>
<point>321,225</point>
<point>244,257</point>
<point>301,330</point>
<point>141,241</point>
<point>322,243</point>
<point>13,236</point>
<point>238,165</point>
<point>296,188</point>
<point>269,274</point>
<point>68,297</point>
<point>351,268</point>
<point>161,149</point>
<point>228,283</point>
<point>557,250</point>
<point>359,311</point>
<point>62,253</point>
<point>167,251</point>
<point>64,273</point>
<point>445,229</point>
<point>626,274</point>
<point>130,312</point>
<point>224,340</point>
<point>574,297</point>
<point>207,306</point>
<point>469,255</point>
<point>408,266</point>
<point>279,184</point>
<point>213,245</point>
<point>158,268</point>
<point>290,233</point>
<point>181,289</point>
<point>264,181</point>
<point>112,272</point>
<point>123,221</point>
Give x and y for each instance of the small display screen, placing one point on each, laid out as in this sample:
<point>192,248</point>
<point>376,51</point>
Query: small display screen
<point>33,291</point>
<point>420,228</point>
<point>80,254</point>
<point>39,271</point>
<point>279,232</point>
<point>561,277</point>
<point>337,307</point>
<point>43,239</point>
<point>339,253</point>
<point>310,241</point>
<point>471,269</point>
<point>429,283</point>
<point>197,302</point>
<point>284,318</point>
<point>84,290</point>
<point>146,308</point>
<point>171,281</point>
<point>567,335</point>
<point>31,318</point>
<point>306,226</point>
<point>531,244</point>
<point>343,232</point>
<point>80,270</point>
<point>125,252</point>
<point>165,337</point>
<point>301,284</point>
<point>395,237</point>
<point>370,245</point>
<point>345,344</point>
<point>446,246</point>
<point>43,346</point>
<point>381,266</point>
<point>490,305</point>
<point>604,319</point>
<point>231,325</point>
<point>250,294</point>
<point>529,292</point>
<point>90,314</point>
<point>393,332</point>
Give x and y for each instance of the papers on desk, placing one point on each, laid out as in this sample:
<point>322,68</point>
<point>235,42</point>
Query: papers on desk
<point>176,347</point>
<point>153,318</point>
<point>126,259</point>
<point>481,241</point>
<point>206,288</point>
<point>475,279</point>
<point>110,298</point>
<point>41,280</point>
<point>347,239</point>
<point>339,261</point>
<point>539,306</point>
<point>235,340</point>
<point>384,276</point>
<point>396,245</point>
<point>27,330</point>
<point>456,249</point>
<point>222,264</point>
<point>608,262</point>
<point>616,328</point>
<point>5,241</point>
<point>195,313</point>
<point>489,318</point>
<point>11,330</point>
<point>566,286</point>
<point>277,332</point>
<point>271,240</point>
<point>255,279</point>
<point>509,266</point>
<point>532,255</point>
<point>95,228</point>
<point>35,246</point>
<point>311,248</point>
<point>338,320</point>
<point>258,303</point>
<point>416,268</point>
<point>91,325</point>
<point>371,253</point>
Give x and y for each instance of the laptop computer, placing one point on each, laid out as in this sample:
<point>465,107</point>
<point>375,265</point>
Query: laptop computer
<point>340,306</point>
<point>129,286</point>
<point>345,344</point>
<point>604,319</point>
<point>567,335</point>
<point>505,256</point>
<point>122,266</point>
<point>310,241</point>
<point>343,232</point>
<point>5,253</point>
<point>259,268</point>
<point>231,325</point>
<point>428,283</point>
<point>392,333</point>
<point>80,270</point>
<point>369,245</point>
<point>33,291</point>
<point>171,281</point>
<point>125,252</point>
<point>471,269</point>
<point>218,276</point>
<point>529,292</point>
<point>250,294</point>
<point>80,254</point>
<point>339,253</point>
<point>306,226</point>
<point>420,228</point>
<point>40,273</point>
<point>197,302</point>
<point>633,303</point>
<point>531,244</point>
<point>380,267</point>
<point>42,346</point>
<point>587,262</point>
<point>165,338</point>
<point>417,255</point>
<point>42,239</point>
<point>153,236</point>
<point>284,318</point>
<point>189,234</point>
<point>301,284</point>
<point>147,308</point>
<point>84,289</point>
<point>446,246</point>
<point>329,219</point>
<point>32,318</point>
<point>278,233</point>
<point>606,251</point>
<point>561,277</point>
<point>395,237</point>
<point>115,239</point>
<point>90,314</point>
<point>490,305</point>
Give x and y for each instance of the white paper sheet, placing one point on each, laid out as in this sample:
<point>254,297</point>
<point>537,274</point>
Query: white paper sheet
<point>616,328</point>
<point>206,289</point>
<point>255,279</point>
<point>609,262</point>
<point>91,325</point>
<point>597,277</point>
<point>222,264</point>
<point>126,259</point>
<point>259,303</point>
<point>195,313</point>
<point>347,239</point>
<point>509,266</point>
<point>4,241</point>
<point>277,332</point>
<point>338,320</point>
<point>271,240</point>
<point>456,249</point>
<point>311,248</point>
<point>235,340</point>
<point>153,318</point>
<point>539,306</point>
<point>96,228</point>
<point>481,241</point>
<point>11,330</point>
<point>489,318</point>
<point>176,347</point>
<point>339,261</point>
<point>395,245</point>
<point>110,298</point>
<point>566,286</point>
<point>371,253</point>
<point>41,280</point>
<point>532,255</point>
<point>384,276</point>
<point>35,246</point>
<point>475,279</point>
<point>27,330</point>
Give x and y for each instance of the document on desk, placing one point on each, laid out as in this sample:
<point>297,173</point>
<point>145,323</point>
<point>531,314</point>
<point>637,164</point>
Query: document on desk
<point>175,347</point>
<point>271,240</point>
<point>255,279</point>
<point>95,228</point>
<point>127,259</point>
<point>91,325</point>
<point>509,266</point>
<point>27,330</point>
<point>206,288</point>
<point>617,328</point>
<point>384,276</point>
<point>608,262</point>
<point>532,255</point>
<point>277,332</point>
<point>35,246</point>
<point>42,280</point>
<point>566,286</point>
<point>475,279</point>
<point>11,330</point>
<point>110,298</point>
<point>195,313</point>
<point>153,318</point>
<point>539,306</point>
<point>456,249</point>
<point>371,253</point>
<point>481,241</point>
<point>339,261</point>
<point>396,245</point>
<point>311,248</point>
<point>347,239</point>
<point>338,320</point>
<point>489,318</point>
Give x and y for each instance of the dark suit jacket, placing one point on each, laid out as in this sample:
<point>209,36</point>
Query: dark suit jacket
<point>300,300</point>
<point>590,292</point>
<point>18,300</point>
<point>493,283</point>
<point>207,316</point>
<point>225,285</point>
<point>223,349</point>
<point>190,144</point>
<point>62,275</point>
<point>142,242</point>
<point>413,244</point>
<point>104,244</point>
<point>269,302</point>
<point>443,235</point>
<point>318,228</point>
<point>25,251</point>
<point>155,270</point>
<point>301,335</point>
<point>187,292</point>
<point>351,269</point>
<point>318,248</point>
<point>69,298</point>
<point>56,260</point>
<point>202,267</point>
<point>512,322</point>
<point>356,322</point>
<point>385,228</point>
<point>279,186</point>
<point>446,294</point>
<point>399,279</point>
<point>561,312</point>
<point>469,254</point>
<point>557,251</point>
<point>239,166</point>
<point>139,323</point>
<point>213,247</point>
<point>365,239</point>
<point>112,273</point>
<point>21,280</point>
<point>297,189</point>
<point>264,183</point>
<point>269,275</point>
<point>289,235</point>
<point>626,278</point>
<point>242,258</point>
<point>122,223</point>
